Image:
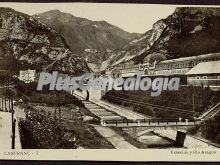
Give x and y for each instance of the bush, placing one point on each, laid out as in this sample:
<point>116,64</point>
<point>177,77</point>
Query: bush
<point>210,129</point>
<point>41,130</point>
<point>29,93</point>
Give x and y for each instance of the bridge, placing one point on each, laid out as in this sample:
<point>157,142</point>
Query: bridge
<point>151,123</point>
<point>138,125</point>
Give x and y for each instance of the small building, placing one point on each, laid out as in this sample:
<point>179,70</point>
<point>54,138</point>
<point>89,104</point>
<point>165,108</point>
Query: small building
<point>116,73</point>
<point>27,75</point>
<point>205,74</point>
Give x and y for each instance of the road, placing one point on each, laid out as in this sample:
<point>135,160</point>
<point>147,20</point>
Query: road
<point>6,132</point>
<point>101,112</point>
<point>126,113</point>
<point>117,141</point>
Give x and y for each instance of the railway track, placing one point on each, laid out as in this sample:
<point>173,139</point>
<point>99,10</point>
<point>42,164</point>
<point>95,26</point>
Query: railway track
<point>98,111</point>
<point>210,113</point>
<point>123,112</point>
<point>153,105</point>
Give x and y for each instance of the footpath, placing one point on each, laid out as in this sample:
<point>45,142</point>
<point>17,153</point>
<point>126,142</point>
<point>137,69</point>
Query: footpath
<point>6,132</point>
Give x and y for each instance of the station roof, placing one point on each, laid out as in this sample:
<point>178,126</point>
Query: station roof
<point>205,68</point>
<point>213,56</point>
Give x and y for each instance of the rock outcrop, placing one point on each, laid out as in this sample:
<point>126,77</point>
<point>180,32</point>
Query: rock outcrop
<point>25,43</point>
<point>189,31</point>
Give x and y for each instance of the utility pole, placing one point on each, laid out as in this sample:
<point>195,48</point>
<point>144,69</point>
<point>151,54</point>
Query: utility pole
<point>59,107</point>
<point>5,93</point>
<point>13,134</point>
<point>8,94</point>
<point>59,116</point>
<point>193,101</point>
<point>2,99</point>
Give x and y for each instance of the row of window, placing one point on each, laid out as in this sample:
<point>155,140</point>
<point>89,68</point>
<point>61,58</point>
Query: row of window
<point>204,77</point>
<point>186,64</point>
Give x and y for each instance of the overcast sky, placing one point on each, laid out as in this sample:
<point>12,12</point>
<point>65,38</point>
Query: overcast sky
<point>130,17</point>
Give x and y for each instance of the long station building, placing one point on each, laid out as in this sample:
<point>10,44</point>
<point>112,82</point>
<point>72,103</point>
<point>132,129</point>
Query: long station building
<point>202,70</point>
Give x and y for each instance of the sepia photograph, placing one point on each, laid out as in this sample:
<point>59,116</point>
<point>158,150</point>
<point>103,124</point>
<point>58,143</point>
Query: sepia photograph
<point>109,76</point>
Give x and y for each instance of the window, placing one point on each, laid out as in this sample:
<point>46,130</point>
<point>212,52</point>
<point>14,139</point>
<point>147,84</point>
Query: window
<point>204,77</point>
<point>177,66</point>
<point>197,77</point>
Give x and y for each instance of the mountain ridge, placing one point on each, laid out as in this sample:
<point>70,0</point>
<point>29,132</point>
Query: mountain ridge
<point>82,34</point>
<point>187,32</point>
<point>29,44</point>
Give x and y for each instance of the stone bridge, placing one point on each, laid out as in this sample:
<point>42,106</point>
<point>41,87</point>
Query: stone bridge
<point>139,131</point>
<point>140,127</point>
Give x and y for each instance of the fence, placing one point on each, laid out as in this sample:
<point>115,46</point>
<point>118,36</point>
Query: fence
<point>149,122</point>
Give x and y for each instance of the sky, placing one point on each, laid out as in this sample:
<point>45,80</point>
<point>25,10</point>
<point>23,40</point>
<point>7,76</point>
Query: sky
<point>137,18</point>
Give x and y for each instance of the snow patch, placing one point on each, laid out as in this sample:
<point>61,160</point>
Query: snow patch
<point>196,29</point>
<point>95,25</point>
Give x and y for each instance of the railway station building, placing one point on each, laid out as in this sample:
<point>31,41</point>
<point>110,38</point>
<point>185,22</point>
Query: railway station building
<point>205,74</point>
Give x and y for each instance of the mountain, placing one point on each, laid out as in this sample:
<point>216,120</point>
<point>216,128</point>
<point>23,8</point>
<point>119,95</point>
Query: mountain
<point>92,39</point>
<point>189,31</point>
<point>25,43</point>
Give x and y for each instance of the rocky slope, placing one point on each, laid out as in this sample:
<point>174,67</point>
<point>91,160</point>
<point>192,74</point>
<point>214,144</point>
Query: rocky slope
<point>91,39</point>
<point>187,32</point>
<point>25,43</point>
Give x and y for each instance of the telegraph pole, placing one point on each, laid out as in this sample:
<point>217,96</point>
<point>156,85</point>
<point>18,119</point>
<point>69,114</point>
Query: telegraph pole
<point>5,92</point>
<point>193,102</point>
<point>2,100</point>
